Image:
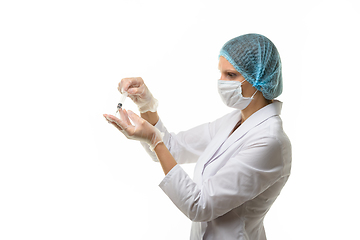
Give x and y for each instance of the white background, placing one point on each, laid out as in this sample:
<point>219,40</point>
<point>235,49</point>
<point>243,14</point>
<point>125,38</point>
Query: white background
<point>67,174</point>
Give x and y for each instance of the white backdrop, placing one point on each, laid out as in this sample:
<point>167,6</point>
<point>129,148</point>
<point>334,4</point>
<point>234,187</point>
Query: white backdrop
<point>67,174</point>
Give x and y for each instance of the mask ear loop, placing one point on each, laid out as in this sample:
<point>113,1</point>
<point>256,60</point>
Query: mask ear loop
<point>254,93</point>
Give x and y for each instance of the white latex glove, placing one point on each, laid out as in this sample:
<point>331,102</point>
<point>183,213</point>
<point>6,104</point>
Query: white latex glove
<point>142,130</point>
<point>139,93</point>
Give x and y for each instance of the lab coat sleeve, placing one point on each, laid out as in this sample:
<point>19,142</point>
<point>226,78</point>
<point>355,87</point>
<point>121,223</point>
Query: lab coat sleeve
<point>242,178</point>
<point>187,146</point>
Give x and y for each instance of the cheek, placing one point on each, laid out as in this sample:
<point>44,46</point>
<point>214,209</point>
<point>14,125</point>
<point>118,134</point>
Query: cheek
<point>248,90</point>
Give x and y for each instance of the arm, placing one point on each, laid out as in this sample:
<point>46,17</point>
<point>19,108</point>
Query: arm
<point>143,131</point>
<point>151,117</point>
<point>186,146</point>
<point>166,160</point>
<point>244,176</point>
<point>241,179</point>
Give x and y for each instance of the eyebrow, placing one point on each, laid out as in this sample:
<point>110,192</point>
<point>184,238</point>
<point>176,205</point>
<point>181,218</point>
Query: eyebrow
<point>229,70</point>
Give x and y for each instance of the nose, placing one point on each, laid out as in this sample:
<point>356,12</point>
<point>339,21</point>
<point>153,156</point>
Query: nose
<point>222,77</point>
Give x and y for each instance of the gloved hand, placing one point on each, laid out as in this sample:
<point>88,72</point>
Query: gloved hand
<point>139,93</point>
<point>142,130</point>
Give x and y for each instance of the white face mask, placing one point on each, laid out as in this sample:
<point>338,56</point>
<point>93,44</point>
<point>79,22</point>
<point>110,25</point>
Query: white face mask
<point>231,94</point>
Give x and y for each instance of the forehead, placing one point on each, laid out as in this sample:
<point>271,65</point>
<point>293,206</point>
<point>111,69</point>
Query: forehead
<point>225,64</point>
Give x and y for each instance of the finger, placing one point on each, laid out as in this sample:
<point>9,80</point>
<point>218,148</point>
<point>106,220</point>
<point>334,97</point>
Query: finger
<point>117,126</point>
<point>126,113</point>
<point>114,120</point>
<point>106,119</point>
<point>124,85</point>
<point>138,91</point>
<point>127,83</point>
<point>135,118</point>
<point>109,117</point>
<point>124,116</point>
<point>112,123</point>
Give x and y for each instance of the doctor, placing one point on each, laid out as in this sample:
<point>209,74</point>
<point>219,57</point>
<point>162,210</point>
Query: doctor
<point>242,159</point>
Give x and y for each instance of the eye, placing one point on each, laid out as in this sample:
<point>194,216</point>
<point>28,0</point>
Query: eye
<point>231,74</point>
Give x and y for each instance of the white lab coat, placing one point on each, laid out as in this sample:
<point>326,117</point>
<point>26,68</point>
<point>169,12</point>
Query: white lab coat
<point>236,178</point>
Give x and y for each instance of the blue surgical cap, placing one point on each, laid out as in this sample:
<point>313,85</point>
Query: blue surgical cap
<point>257,59</point>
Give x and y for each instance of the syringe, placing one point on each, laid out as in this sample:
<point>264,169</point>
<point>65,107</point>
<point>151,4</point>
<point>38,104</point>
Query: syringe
<point>121,102</point>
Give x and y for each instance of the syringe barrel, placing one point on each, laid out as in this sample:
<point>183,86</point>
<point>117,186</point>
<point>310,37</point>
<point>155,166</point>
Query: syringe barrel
<point>123,97</point>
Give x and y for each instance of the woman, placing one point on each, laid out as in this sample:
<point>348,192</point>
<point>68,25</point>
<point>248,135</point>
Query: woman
<point>242,159</point>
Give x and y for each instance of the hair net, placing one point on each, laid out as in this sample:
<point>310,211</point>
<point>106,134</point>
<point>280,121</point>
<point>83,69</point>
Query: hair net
<point>257,59</point>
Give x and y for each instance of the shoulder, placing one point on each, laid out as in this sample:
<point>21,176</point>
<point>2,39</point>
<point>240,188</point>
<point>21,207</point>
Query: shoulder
<point>271,130</point>
<point>270,137</point>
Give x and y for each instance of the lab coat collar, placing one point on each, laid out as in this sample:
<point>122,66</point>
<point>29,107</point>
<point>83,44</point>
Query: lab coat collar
<point>216,148</point>
<point>260,116</point>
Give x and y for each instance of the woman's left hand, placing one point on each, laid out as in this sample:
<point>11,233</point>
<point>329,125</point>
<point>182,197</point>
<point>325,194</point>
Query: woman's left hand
<point>141,130</point>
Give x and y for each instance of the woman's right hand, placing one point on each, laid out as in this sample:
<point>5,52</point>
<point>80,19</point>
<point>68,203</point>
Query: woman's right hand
<point>139,93</point>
